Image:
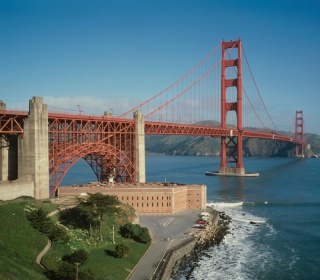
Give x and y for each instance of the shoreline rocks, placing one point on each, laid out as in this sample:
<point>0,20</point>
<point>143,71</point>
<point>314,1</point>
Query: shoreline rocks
<point>211,236</point>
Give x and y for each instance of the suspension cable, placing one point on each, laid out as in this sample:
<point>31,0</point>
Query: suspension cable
<point>258,89</point>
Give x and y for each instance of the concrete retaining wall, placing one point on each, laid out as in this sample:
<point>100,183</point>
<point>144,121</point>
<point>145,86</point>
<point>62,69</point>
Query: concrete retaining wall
<point>14,189</point>
<point>170,258</point>
<point>177,253</point>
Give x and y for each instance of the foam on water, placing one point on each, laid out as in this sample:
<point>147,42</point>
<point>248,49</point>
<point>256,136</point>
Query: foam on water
<point>239,254</point>
<point>220,205</point>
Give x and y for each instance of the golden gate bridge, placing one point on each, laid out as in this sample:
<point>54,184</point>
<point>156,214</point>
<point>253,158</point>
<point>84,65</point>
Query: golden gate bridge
<point>220,88</point>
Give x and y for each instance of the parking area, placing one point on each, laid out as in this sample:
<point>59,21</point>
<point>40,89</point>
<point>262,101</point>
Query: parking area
<point>167,231</point>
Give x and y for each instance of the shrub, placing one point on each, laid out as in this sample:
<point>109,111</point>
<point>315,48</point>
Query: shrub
<point>136,232</point>
<point>143,236</point>
<point>128,230</point>
<point>122,250</point>
<point>59,233</point>
<point>41,222</point>
<point>25,197</point>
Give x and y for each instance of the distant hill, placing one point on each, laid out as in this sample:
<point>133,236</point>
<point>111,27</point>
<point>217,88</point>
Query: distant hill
<point>203,145</point>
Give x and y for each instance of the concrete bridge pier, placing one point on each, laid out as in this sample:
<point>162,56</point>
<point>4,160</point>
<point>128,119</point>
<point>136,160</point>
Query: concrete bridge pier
<point>4,152</point>
<point>4,159</point>
<point>140,163</point>
<point>33,156</point>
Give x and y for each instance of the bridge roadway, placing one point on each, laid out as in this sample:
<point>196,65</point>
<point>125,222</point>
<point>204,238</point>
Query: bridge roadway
<point>167,231</point>
<point>11,123</point>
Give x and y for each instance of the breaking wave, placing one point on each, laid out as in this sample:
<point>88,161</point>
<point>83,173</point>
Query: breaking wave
<point>239,255</point>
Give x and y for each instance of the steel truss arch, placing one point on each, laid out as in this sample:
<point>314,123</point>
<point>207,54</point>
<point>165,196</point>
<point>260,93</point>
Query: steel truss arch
<point>120,167</point>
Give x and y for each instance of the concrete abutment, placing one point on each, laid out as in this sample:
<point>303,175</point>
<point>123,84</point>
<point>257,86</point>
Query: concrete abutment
<point>27,156</point>
<point>35,147</point>
<point>140,163</point>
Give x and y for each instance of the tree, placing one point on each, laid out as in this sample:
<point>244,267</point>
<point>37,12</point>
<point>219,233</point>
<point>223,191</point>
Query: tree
<point>79,256</point>
<point>69,271</point>
<point>88,212</point>
<point>40,221</point>
<point>122,250</point>
<point>100,205</point>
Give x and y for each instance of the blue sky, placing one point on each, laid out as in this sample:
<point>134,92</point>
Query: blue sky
<point>118,53</point>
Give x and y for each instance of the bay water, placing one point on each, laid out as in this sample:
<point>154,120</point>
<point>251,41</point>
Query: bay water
<point>283,242</point>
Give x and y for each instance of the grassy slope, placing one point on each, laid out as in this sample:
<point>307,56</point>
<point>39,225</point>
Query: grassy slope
<point>101,261</point>
<point>19,244</point>
<point>104,265</point>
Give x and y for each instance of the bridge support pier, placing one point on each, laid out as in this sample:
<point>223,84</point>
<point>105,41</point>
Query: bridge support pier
<point>140,163</point>
<point>4,159</point>
<point>4,152</point>
<point>33,156</point>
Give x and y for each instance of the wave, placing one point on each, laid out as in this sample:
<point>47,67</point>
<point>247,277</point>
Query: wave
<point>250,221</point>
<point>240,255</point>
<point>224,204</point>
<point>265,203</point>
<point>235,204</point>
<point>281,204</point>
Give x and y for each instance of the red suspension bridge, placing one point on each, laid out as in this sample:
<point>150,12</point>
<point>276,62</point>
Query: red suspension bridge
<point>220,88</point>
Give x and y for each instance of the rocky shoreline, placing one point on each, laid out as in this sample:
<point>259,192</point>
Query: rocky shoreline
<point>212,235</point>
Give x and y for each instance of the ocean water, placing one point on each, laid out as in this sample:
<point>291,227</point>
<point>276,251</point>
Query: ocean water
<point>284,203</point>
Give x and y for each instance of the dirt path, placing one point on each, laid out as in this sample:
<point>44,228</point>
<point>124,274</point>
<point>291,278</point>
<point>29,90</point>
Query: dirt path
<point>44,251</point>
<point>50,243</point>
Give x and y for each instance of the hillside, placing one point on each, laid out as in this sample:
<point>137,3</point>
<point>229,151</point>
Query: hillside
<point>20,243</point>
<point>200,145</point>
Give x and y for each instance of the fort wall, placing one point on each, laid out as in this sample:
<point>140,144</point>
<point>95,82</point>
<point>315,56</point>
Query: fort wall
<point>147,198</point>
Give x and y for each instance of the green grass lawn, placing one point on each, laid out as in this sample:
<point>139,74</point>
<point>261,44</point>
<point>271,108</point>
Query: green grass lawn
<point>20,244</point>
<point>104,265</point>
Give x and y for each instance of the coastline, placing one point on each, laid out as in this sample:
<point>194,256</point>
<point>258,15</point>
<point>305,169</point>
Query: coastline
<point>167,256</point>
<point>208,238</point>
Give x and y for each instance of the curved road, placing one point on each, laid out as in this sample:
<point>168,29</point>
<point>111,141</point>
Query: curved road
<point>168,231</point>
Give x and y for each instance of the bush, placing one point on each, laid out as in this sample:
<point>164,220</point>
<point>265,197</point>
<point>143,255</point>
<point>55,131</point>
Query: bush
<point>59,233</point>
<point>136,232</point>
<point>122,250</point>
<point>41,222</point>
<point>143,236</point>
<point>128,230</point>
<point>70,266</point>
<point>25,197</point>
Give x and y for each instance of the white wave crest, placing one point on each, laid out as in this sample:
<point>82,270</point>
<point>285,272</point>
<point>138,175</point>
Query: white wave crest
<point>240,252</point>
<point>224,204</point>
<point>250,221</point>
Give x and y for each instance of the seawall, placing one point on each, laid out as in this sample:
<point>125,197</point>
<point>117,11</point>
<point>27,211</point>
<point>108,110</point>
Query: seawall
<point>172,256</point>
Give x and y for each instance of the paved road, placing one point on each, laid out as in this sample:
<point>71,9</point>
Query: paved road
<point>167,231</point>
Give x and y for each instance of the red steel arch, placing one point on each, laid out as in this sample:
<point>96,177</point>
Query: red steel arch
<point>107,144</point>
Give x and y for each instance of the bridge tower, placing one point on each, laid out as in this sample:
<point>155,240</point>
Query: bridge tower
<point>299,133</point>
<point>231,146</point>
